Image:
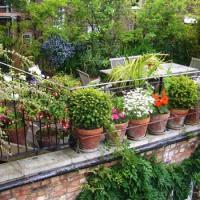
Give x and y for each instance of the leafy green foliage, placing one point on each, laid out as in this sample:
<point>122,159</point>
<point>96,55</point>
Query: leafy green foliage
<point>137,178</point>
<point>66,80</point>
<point>160,24</point>
<point>89,108</point>
<point>116,30</point>
<point>19,5</point>
<point>137,69</point>
<point>118,103</point>
<point>35,99</point>
<point>182,92</point>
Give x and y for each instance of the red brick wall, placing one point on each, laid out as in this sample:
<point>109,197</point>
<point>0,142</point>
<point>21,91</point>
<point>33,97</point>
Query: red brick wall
<point>68,186</point>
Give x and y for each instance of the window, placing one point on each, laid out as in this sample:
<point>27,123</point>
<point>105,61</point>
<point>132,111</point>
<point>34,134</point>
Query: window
<point>27,38</point>
<point>60,19</point>
<point>92,28</point>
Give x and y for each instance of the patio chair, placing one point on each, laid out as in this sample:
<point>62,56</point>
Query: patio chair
<point>115,62</point>
<point>195,63</point>
<point>85,79</point>
<point>132,58</point>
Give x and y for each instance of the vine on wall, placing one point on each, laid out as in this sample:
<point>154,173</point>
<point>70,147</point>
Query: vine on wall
<point>136,178</point>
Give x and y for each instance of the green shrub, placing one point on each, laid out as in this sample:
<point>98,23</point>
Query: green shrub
<point>66,80</point>
<point>136,178</point>
<point>89,108</point>
<point>182,92</point>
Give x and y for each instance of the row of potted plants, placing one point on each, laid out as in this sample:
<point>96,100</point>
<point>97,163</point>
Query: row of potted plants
<point>92,112</point>
<point>136,111</point>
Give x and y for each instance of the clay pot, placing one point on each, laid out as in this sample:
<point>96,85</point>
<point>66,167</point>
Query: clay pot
<point>193,116</point>
<point>89,139</point>
<point>18,136</point>
<point>158,124</point>
<point>47,138</point>
<point>119,135</point>
<point>137,129</point>
<point>177,118</point>
<point>17,61</point>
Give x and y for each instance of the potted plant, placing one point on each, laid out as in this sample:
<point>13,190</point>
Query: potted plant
<point>49,112</point>
<point>160,115</point>
<point>142,67</point>
<point>89,111</point>
<point>193,116</point>
<point>13,124</point>
<point>138,105</point>
<point>182,92</point>
<point>119,122</point>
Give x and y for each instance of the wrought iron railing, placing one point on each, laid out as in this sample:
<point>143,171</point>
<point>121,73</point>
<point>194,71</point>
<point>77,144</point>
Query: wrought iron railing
<point>22,134</point>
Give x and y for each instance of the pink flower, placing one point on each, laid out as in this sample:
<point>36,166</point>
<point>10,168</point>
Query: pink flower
<point>115,117</point>
<point>114,110</point>
<point>65,124</point>
<point>122,115</point>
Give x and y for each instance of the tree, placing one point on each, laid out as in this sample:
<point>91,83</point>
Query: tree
<point>161,28</point>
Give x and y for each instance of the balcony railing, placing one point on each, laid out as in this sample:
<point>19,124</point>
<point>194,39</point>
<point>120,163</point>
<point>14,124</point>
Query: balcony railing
<point>5,9</point>
<point>23,133</point>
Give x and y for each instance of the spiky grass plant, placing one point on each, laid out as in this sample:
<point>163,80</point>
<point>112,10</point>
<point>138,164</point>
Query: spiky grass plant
<point>143,67</point>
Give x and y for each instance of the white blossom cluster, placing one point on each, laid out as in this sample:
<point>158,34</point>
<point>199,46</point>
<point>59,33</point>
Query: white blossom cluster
<point>138,103</point>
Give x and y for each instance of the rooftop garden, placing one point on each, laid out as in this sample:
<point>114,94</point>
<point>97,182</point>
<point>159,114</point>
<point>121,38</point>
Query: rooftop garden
<point>90,75</point>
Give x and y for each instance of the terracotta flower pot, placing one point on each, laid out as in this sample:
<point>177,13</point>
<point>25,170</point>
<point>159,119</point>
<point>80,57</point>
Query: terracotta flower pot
<point>119,135</point>
<point>177,118</point>
<point>89,139</point>
<point>138,128</point>
<point>158,124</point>
<point>18,136</point>
<point>47,137</point>
<point>193,116</point>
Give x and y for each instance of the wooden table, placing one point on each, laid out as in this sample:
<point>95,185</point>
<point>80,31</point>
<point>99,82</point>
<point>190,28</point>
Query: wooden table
<point>167,68</point>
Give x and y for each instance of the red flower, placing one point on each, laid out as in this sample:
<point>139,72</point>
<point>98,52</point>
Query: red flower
<point>160,100</point>
<point>157,103</point>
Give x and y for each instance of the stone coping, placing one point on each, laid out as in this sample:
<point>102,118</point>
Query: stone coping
<point>20,172</point>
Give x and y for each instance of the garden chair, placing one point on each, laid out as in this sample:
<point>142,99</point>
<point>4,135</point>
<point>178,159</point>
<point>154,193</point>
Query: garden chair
<point>115,62</point>
<point>132,58</point>
<point>195,63</point>
<point>85,79</point>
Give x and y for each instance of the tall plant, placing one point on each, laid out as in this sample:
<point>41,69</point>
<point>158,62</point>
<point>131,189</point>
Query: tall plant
<point>143,67</point>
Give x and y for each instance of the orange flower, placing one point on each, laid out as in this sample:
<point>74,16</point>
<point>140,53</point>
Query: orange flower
<point>155,96</point>
<point>164,93</point>
<point>160,100</point>
<point>165,100</point>
<point>158,103</point>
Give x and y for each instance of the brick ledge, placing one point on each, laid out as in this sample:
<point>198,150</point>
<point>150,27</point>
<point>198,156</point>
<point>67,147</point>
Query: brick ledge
<point>40,169</point>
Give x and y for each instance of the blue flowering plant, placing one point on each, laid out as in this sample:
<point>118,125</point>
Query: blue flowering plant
<point>57,50</point>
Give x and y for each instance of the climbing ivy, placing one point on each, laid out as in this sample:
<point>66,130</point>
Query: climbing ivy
<point>136,178</point>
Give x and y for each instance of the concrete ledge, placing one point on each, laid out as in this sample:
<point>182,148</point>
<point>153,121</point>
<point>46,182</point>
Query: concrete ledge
<point>29,170</point>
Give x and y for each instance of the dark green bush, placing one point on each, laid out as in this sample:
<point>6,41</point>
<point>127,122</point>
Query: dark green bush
<point>182,92</point>
<point>136,178</point>
<point>89,108</point>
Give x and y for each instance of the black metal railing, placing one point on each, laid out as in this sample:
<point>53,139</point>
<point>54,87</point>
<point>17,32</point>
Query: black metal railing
<point>27,127</point>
